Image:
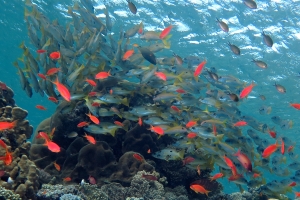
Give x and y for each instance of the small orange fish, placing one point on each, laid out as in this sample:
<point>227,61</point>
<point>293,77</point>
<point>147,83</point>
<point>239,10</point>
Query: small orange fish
<point>2,144</point>
<point>102,75</point>
<point>53,99</point>
<point>111,91</point>
<point>181,91</point>
<point>199,69</point>
<point>165,32</point>
<point>290,148</point>
<point>140,31</point>
<point>93,118</point>
<point>67,179</point>
<point>216,176</point>
<point>93,94</point>
<point>246,91</point>
<point>199,189</point>
<point>52,146</point>
<point>272,133</point>
<point>228,162</point>
<point>7,125</point>
<point>91,82</point>
<point>91,139</point>
<point>282,147</point>
<point>295,105</point>
<point>128,54</point>
<point>191,135</point>
<point>57,166</point>
<point>140,122</point>
<point>43,135</point>
<point>7,158</point>
<point>82,124</point>
<point>96,104</point>
<point>138,157</point>
<point>55,55</point>
<point>255,175</point>
<point>175,108</point>
<point>187,160</point>
<point>63,90</point>
<point>292,184</point>
<point>40,107</point>
<point>118,123</point>
<point>149,151</point>
<point>297,194</point>
<point>191,124</point>
<point>52,71</point>
<point>161,75</point>
<point>157,129</point>
<point>42,76</point>
<point>214,130</point>
<point>240,123</point>
<point>41,51</point>
<point>270,150</point>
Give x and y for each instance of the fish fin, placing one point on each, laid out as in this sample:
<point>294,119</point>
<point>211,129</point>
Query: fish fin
<point>290,124</point>
<point>240,187</point>
<point>125,102</point>
<point>167,44</point>
<point>113,131</point>
<point>181,153</point>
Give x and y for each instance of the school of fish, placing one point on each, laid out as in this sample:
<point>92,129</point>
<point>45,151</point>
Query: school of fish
<point>174,96</point>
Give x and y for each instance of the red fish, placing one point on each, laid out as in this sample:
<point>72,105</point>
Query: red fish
<point>93,118</point>
<point>235,177</point>
<point>292,184</point>
<point>102,75</point>
<point>228,162</point>
<point>91,139</point>
<point>255,175</point>
<point>295,105</point>
<point>57,166</point>
<point>161,75</point>
<point>43,135</point>
<point>290,148</point>
<point>96,104</point>
<point>214,130</point>
<point>282,146</point>
<point>91,82</point>
<point>7,125</point>
<point>128,54</point>
<point>67,179</point>
<point>82,124</point>
<point>7,159</point>
<point>244,160</point>
<point>240,123</point>
<point>176,109</point>
<point>297,194</point>
<point>140,31</point>
<point>93,94</point>
<point>157,129</point>
<point>199,68</point>
<point>165,32</point>
<point>191,124</point>
<point>149,177</point>
<point>140,122</point>
<point>52,71</point>
<point>92,180</point>
<point>199,189</point>
<point>216,176</point>
<point>63,90</point>
<point>272,133</point>
<point>246,91</point>
<point>138,157</point>
<point>41,51</point>
<point>53,99</point>
<point>270,150</point>
<point>187,160</point>
<point>40,107</point>
<point>118,123</point>
<point>52,146</point>
<point>181,91</point>
<point>55,55</point>
<point>191,135</point>
<point>42,76</point>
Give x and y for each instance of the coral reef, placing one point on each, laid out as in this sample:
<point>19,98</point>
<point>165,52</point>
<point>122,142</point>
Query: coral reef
<point>20,174</point>
<point>8,194</point>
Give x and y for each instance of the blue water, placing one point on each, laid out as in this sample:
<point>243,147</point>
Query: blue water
<point>196,33</point>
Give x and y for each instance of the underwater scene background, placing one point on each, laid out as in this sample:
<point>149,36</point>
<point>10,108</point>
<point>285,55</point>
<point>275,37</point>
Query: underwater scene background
<point>179,130</point>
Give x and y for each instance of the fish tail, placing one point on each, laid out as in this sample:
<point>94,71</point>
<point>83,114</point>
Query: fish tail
<point>181,153</point>
<point>113,131</point>
<point>167,44</point>
<point>125,102</point>
<point>291,124</point>
<point>76,6</point>
<point>196,78</point>
<point>47,43</point>
<point>26,12</point>
<point>28,3</point>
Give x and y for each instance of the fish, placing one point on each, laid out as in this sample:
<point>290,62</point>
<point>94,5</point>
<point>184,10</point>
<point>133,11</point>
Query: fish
<point>52,146</point>
<point>250,4</point>
<point>55,55</point>
<point>223,25</point>
<point>149,177</point>
<point>270,150</point>
<point>138,157</point>
<point>244,160</point>
<point>246,91</point>
<point>199,189</point>
<point>91,139</point>
<point>169,154</point>
<point>234,49</point>
<point>93,118</point>
<point>63,90</point>
<point>260,64</point>
<point>165,32</point>
<point>7,125</point>
<point>132,7</point>
<point>280,88</point>
<point>267,39</point>
<point>57,166</point>
<point>40,107</point>
<point>147,54</point>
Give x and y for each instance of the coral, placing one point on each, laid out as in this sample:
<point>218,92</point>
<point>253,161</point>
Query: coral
<point>93,192</point>
<point>128,166</point>
<point>140,140</point>
<point>115,191</point>
<point>8,194</point>
<point>69,197</point>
